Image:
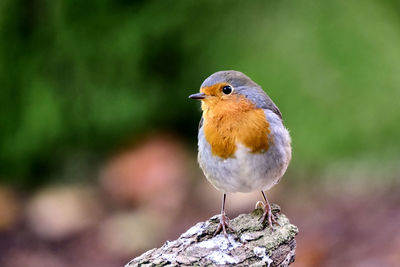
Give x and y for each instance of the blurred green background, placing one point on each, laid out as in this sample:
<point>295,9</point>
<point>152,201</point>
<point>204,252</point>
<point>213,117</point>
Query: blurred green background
<point>81,80</point>
<point>83,76</point>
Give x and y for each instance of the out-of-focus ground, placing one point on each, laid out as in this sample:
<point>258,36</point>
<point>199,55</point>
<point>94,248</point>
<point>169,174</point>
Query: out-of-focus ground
<point>98,137</point>
<point>155,191</point>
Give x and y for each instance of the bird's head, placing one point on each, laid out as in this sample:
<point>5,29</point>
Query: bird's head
<point>228,89</point>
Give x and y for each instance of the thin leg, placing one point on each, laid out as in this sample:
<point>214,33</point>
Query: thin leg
<point>223,221</point>
<point>268,216</point>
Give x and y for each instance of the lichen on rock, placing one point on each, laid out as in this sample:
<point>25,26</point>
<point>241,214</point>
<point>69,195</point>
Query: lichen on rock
<point>252,244</point>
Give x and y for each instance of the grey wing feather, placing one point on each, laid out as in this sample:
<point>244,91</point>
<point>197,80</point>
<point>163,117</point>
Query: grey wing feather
<point>271,106</point>
<point>200,123</point>
<point>259,98</point>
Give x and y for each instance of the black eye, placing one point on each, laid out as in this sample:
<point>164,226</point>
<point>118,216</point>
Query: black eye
<point>227,89</point>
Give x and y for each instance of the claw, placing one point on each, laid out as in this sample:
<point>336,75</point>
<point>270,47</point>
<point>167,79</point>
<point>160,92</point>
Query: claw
<point>223,220</point>
<point>223,225</point>
<point>268,216</point>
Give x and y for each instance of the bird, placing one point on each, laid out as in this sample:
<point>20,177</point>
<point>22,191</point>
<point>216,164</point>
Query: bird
<point>243,145</point>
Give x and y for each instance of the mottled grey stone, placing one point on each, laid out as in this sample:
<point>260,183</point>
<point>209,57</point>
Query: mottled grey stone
<point>252,244</point>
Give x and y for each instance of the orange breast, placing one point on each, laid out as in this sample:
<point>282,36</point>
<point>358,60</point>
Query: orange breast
<point>229,122</point>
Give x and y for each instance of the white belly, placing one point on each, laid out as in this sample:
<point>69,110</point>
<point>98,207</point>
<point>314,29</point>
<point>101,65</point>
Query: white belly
<point>248,171</point>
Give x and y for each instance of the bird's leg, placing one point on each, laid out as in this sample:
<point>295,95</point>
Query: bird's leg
<point>268,216</point>
<point>223,221</point>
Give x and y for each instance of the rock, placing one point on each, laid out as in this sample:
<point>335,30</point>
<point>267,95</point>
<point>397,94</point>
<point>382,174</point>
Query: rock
<point>250,245</point>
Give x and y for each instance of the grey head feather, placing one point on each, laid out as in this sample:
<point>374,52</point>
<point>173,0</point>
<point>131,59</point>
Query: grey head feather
<point>243,85</point>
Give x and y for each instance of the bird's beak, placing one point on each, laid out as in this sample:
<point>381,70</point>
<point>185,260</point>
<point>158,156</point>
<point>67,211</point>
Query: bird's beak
<point>198,96</point>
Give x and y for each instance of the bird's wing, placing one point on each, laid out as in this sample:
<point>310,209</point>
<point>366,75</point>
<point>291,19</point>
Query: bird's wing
<point>200,123</point>
<point>271,106</point>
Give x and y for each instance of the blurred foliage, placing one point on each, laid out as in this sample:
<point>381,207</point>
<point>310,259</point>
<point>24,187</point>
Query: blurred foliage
<point>80,78</point>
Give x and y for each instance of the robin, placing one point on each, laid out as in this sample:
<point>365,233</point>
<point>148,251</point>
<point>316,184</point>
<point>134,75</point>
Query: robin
<point>243,145</point>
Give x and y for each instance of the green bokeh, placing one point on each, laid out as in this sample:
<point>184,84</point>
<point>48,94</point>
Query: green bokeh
<point>86,76</point>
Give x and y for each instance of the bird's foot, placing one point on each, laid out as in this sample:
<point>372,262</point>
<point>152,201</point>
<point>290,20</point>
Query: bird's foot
<point>268,216</point>
<point>223,225</point>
